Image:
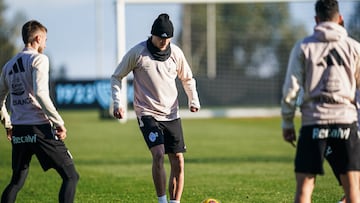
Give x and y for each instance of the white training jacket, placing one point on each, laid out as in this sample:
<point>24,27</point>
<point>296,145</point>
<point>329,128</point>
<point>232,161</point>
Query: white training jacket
<point>155,91</point>
<point>26,79</point>
<point>325,66</point>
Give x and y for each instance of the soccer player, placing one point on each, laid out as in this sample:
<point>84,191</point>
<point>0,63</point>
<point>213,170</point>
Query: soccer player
<point>35,127</point>
<point>326,66</point>
<point>155,64</point>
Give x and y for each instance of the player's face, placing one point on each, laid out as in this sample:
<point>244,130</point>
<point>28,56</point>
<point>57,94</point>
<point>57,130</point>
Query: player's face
<point>42,43</point>
<point>160,43</point>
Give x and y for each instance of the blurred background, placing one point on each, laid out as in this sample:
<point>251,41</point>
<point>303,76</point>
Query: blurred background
<point>238,51</point>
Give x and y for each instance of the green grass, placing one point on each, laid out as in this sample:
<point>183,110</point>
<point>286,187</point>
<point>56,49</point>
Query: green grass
<point>233,160</point>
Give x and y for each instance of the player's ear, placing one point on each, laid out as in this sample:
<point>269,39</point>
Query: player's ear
<point>341,20</point>
<point>317,20</point>
<point>37,38</point>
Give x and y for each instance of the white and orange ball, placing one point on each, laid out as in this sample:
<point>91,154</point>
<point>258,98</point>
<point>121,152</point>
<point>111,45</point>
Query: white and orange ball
<point>210,200</point>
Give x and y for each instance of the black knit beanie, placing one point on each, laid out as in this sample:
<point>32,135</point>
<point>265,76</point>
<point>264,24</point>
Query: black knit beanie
<point>163,27</point>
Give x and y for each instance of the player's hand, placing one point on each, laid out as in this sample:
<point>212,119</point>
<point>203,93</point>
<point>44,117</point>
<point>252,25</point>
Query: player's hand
<point>119,113</point>
<point>194,109</point>
<point>60,132</point>
<point>9,133</point>
<point>289,135</point>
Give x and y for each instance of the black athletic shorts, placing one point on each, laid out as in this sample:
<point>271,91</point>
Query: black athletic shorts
<point>168,133</point>
<point>339,142</point>
<point>40,140</point>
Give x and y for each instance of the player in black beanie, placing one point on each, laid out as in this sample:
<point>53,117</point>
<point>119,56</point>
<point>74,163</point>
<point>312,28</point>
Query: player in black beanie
<point>163,27</point>
<point>156,64</point>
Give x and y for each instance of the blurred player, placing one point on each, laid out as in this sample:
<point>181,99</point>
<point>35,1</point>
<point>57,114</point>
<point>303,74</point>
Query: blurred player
<point>156,63</point>
<point>326,66</point>
<point>35,127</point>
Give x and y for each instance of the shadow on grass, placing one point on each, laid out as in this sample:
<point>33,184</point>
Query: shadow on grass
<point>202,160</point>
<point>242,159</point>
<point>112,161</point>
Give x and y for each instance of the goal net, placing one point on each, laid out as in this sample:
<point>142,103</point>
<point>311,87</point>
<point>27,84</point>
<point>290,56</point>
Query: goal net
<point>238,50</point>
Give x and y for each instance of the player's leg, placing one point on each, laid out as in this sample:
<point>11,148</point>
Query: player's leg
<point>350,183</point>
<point>154,138</point>
<point>68,187</point>
<point>308,162</point>
<point>21,157</point>
<point>158,170</point>
<point>350,157</point>
<point>52,153</point>
<point>305,184</point>
<point>342,199</point>
<point>349,163</point>
<point>175,147</point>
<point>17,182</point>
<point>65,167</point>
<point>176,181</point>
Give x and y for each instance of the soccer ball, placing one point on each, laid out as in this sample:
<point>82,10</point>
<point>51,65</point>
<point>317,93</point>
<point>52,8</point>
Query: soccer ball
<point>210,200</point>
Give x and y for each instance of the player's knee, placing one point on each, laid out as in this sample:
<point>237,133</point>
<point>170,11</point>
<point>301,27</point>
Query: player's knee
<point>18,179</point>
<point>70,174</point>
<point>71,181</point>
<point>158,157</point>
<point>179,157</point>
<point>158,154</point>
<point>74,177</point>
<point>177,161</point>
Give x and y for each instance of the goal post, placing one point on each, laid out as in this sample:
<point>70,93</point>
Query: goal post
<point>120,51</point>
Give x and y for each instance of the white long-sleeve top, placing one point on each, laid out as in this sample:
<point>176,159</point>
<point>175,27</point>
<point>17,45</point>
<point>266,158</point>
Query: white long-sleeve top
<point>155,91</point>
<point>326,66</point>
<point>26,79</point>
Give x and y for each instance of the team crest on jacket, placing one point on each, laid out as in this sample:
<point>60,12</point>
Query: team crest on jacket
<point>17,87</point>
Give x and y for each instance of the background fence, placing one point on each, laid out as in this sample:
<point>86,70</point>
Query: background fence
<point>252,42</point>
<point>239,51</point>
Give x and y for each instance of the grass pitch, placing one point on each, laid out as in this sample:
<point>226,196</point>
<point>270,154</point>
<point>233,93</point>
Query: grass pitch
<point>232,160</point>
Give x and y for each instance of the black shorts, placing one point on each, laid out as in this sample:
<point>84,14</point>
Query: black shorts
<point>168,133</point>
<point>339,142</point>
<point>40,140</point>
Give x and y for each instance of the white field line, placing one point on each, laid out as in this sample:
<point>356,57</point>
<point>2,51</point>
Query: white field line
<point>225,113</point>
